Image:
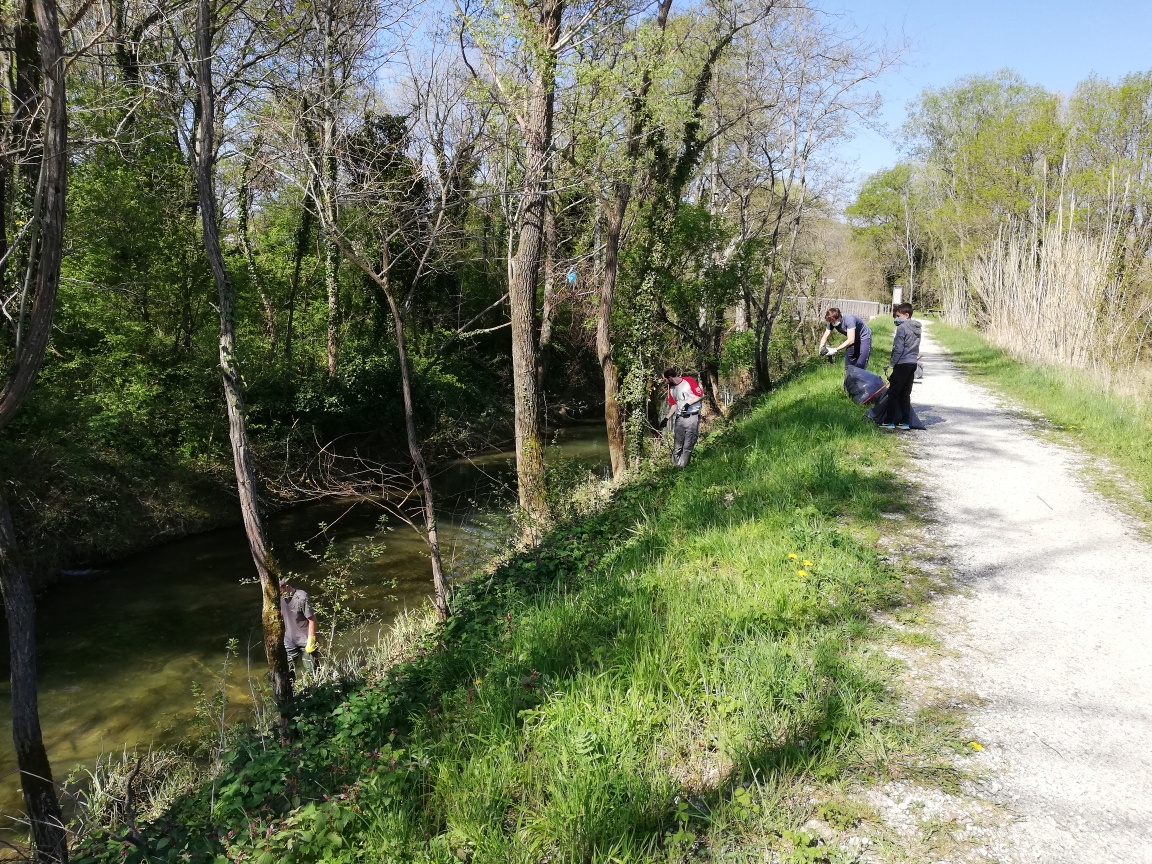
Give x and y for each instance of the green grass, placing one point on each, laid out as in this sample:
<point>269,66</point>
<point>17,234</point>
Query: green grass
<point>1077,408</point>
<point>669,679</point>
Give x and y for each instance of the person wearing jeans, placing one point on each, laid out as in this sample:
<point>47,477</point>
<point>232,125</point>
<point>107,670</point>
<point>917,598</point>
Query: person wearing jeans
<point>684,398</point>
<point>905,354</point>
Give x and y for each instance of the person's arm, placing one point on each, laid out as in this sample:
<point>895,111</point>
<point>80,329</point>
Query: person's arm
<point>311,644</point>
<point>897,347</point>
<point>843,346</point>
<point>824,338</point>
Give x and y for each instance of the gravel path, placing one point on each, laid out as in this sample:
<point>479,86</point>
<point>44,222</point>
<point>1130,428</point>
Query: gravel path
<point>1054,631</point>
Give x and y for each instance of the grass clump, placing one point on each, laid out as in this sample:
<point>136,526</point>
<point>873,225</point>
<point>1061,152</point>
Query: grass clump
<point>1103,423</point>
<point>667,679</point>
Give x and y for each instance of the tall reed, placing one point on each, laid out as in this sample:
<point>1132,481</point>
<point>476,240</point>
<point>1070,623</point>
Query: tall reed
<point>1056,293</point>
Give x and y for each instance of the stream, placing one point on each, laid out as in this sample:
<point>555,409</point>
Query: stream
<point>119,648</point>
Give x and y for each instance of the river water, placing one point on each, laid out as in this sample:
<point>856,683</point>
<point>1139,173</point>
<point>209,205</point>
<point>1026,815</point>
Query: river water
<point>120,648</point>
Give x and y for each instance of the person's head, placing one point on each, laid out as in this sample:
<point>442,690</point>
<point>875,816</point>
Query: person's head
<point>285,588</point>
<point>672,377</point>
<point>903,312</point>
<point>833,316</point>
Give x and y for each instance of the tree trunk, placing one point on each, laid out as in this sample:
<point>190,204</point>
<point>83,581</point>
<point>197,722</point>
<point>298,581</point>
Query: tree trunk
<point>614,225</point>
<point>303,233</point>
<point>439,581</point>
<point>537,132</point>
<point>328,161</point>
<point>613,422</point>
<point>204,159</point>
<point>242,208</point>
<point>548,312</point>
<point>40,799</point>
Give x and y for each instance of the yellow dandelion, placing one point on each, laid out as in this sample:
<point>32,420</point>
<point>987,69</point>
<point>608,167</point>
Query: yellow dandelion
<point>859,589</point>
<point>793,555</point>
<point>975,745</point>
<point>807,563</point>
<point>801,572</point>
<point>479,682</point>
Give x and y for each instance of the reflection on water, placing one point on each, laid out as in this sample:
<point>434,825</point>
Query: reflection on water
<point>120,648</point>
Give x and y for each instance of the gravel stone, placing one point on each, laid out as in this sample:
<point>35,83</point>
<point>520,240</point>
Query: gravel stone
<point>1053,630</point>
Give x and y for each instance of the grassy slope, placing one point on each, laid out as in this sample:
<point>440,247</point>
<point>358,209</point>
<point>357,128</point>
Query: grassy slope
<point>1105,424</point>
<point>670,677</point>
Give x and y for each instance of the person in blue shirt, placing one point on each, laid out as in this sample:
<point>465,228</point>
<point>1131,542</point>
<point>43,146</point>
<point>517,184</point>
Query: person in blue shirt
<point>858,342</point>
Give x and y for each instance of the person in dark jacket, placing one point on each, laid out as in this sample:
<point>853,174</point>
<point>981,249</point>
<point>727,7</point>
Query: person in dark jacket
<point>905,354</point>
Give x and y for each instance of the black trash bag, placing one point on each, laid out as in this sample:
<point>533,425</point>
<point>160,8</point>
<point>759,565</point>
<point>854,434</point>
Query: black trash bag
<point>880,409</point>
<point>862,386</point>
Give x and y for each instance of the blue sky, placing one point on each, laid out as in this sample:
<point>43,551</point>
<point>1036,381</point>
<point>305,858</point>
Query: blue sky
<point>1055,44</point>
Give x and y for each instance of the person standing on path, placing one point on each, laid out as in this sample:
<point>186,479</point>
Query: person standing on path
<point>684,398</point>
<point>299,625</point>
<point>905,355</point>
<point>858,342</point>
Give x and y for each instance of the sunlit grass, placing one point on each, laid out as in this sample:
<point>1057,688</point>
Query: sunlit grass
<point>680,674</point>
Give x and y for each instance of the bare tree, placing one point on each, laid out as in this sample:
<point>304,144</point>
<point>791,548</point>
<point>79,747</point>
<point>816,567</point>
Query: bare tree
<point>523,81</point>
<point>41,280</point>
<point>401,187</point>
<point>816,74</point>
<point>204,169</point>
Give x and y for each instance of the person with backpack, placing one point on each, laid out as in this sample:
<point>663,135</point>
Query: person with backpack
<point>905,355</point>
<point>685,396</point>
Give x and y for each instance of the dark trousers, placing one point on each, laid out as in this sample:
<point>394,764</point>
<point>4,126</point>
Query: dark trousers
<point>900,392</point>
<point>857,353</point>
<point>296,653</point>
<point>684,435</point>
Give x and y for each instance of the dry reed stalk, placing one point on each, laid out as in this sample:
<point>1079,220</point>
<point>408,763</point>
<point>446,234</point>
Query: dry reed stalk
<point>1054,294</point>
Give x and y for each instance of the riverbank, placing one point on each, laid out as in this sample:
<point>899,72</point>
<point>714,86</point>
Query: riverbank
<point>695,667</point>
<point>122,649</point>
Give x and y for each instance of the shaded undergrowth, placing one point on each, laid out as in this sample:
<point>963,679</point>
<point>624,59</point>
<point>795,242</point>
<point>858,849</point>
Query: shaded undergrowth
<point>687,673</point>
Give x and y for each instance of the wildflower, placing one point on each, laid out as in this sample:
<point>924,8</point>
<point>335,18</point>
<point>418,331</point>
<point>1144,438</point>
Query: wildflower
<point>793,555</point>
<point>801,572</point>
<point>807,563</point>
<point>860,589</point>
<point>975,745</point>
<point>478,682</point>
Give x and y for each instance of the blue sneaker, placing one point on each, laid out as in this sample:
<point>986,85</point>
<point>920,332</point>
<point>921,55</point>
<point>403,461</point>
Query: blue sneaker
<point>904,427</point>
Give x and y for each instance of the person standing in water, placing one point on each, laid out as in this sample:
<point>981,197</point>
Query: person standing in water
<point>684,398</point>
<point>905,354</point>
<point>858,342</point>
<point>299,625</point>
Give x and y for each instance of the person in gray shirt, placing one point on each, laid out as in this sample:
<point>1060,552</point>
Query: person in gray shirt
<point>299,624</point>
<point>905,354</point>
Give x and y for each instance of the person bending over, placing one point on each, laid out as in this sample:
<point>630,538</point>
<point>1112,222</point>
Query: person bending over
<point>684,398</point>
<point>857,344</point>
<point>299,625</point>
<point>905,353</point>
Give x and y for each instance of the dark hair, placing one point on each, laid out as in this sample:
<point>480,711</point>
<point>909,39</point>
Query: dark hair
<point>904,309</point>
<point>671,373</point>
<point>832,314</point>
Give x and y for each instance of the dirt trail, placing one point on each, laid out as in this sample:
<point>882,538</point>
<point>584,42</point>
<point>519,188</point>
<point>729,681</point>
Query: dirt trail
<point>1054,631</point>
